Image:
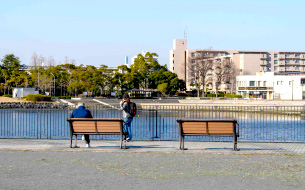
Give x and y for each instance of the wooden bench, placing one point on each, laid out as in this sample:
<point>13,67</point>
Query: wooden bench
<point>93,126</point>
<point>208,127</point>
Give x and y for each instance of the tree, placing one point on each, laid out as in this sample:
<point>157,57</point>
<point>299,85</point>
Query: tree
<point>201,64</point>
<point>11,72</point>
<point>143,66</point>
<point>223,70</point>
<point>162,88</point>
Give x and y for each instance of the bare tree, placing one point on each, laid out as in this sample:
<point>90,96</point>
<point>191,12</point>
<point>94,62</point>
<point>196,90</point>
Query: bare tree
<point>200,64</point>
<point>34,60</point>
<point>223,73</point>
<point>51,62</point>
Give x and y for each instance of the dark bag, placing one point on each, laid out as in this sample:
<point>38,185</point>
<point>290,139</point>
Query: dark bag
<point>133,109</point>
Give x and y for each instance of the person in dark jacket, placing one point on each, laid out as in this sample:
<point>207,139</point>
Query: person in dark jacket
<point>124,104</point>
<point>82,112</point>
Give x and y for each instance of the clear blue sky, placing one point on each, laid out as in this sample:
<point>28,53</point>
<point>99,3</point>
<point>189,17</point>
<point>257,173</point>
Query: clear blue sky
<point>96,32</point>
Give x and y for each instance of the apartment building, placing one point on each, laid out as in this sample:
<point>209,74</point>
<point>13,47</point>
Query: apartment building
<point>266,85</point>
<point>246,62</point>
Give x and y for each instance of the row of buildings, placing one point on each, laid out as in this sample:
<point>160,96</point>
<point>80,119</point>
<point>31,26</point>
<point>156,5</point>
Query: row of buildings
<point>254,74</point>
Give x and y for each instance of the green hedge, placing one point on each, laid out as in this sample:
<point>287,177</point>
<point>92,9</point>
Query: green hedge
<point>37,97</point>
<point>64,97</point>
<point>182,94</point>
<point>214,95</point>
<point>233,96</point>
<point>7,95</point>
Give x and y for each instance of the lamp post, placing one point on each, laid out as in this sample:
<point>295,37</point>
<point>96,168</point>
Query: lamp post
<point>273,90</point>
<point>292,90</point>
<point>54,85</point>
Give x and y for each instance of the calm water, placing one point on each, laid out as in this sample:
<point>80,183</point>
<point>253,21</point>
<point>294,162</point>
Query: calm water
<point>154,125</point>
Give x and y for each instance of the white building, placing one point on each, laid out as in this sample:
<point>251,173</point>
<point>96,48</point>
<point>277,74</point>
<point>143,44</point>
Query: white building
<point>136,56</point>
<point>246,62</point>
<point>266,85</point>
<point>21,92</point>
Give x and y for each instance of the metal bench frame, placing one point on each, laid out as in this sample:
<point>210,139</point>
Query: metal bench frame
<point>234,134</point>
<point>96,132</point>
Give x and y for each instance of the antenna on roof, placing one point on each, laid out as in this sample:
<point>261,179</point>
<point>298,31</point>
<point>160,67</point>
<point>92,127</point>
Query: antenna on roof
<point>185,32</point>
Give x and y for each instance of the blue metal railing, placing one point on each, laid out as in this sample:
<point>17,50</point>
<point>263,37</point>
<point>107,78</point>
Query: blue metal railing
<point>257,123</point>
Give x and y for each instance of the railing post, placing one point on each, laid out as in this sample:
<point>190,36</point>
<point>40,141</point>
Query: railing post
<point>156,122</point>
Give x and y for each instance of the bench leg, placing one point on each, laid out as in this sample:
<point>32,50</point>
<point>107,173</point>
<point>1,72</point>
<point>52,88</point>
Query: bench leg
<point>182,142</point>
<point>121,141</point>
<point>75,145</point>
<point>71,137</point>
<point>235,144</point>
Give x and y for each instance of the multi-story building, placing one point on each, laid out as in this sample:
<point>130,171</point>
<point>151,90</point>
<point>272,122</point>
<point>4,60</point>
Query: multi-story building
<point>246,62</point>
<point>266,85</point>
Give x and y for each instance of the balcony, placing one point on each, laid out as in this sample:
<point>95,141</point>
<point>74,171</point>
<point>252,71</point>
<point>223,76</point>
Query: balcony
<point>263,69</point>
<point>263,63</point>
<point>264,56</point>
<point>282,63</point>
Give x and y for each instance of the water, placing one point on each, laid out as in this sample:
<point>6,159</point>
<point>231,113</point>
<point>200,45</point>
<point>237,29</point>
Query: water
<point>258,126</point>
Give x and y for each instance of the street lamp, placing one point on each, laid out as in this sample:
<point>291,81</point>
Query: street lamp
<point>292,90</point>
<point>54,85</point>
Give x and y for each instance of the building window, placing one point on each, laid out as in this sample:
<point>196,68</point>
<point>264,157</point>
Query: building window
<point>276,68</point>
<point>215,54</point>
<point>287,68</point>
<point>173,61</point>
<point>297,61</point>
<point>296,68</point>
<point>286,55</point>
<point>276,55</point>
<point>173,55</point>
<point>278,82</point>
<point>276,62</point>
<point>259,83</point>
<point>265,83</point>
<point>173,68</point>
<point>193,67</point>
<point>193,60</point>
<point>297,55</point>
<point>192,54</point>
<point>286,61</point>
<point>252,83</point>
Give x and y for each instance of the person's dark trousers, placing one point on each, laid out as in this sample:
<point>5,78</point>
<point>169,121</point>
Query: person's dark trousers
<point>87,139</point>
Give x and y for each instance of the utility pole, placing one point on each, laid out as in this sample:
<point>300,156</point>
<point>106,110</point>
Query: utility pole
<point>54,85</point>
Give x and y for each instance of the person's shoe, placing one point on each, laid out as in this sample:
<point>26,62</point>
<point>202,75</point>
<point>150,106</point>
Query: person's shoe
<point>128,139</point>
<point>83,137</point>
<point>88,145</point>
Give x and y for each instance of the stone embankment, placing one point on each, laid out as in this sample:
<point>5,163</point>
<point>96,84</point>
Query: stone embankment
<point>31,105</point>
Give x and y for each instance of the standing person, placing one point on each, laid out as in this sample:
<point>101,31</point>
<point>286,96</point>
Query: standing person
<point>125,106</point>
<point>82,112</point>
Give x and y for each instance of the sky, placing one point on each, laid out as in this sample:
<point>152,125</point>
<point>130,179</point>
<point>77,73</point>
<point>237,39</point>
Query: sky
<point>96,32</point>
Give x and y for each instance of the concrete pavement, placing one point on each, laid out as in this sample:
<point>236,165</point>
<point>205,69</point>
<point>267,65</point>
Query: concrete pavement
<point>154,146</point>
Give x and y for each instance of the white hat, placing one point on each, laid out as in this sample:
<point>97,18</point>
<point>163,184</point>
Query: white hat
<point>80,104</point>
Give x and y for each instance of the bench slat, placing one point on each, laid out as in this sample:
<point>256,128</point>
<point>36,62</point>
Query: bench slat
<point>194,127</point>
<point>219,128</point>
<point>108,126</point>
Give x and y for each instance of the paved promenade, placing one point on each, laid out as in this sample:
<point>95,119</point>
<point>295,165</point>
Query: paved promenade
<point>154,146</point>
<point>51,164</point>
